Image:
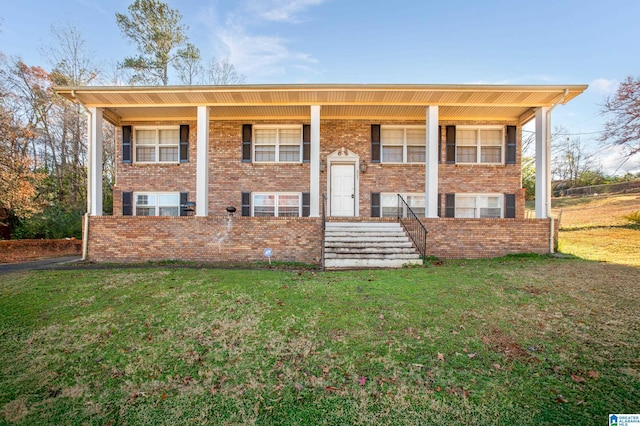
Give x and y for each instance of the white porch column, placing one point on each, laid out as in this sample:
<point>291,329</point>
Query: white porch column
<point>202,163</point>
<point>94,188</point>
<point>431,163</point>
<point>314,184</point>
<point>543,163</point>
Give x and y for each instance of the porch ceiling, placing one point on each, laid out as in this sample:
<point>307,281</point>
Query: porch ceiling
<point>456,102</point>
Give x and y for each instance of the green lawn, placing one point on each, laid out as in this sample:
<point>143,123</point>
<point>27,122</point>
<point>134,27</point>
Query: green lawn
<point>527,341</point>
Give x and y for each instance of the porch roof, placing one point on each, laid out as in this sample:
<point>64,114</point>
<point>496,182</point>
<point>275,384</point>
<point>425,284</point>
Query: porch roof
<point>345,101</point>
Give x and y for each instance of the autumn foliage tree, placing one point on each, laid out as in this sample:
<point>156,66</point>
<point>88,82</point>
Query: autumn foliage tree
<point>623,112</point>
<point>19,181</point>
<point>43,138</point>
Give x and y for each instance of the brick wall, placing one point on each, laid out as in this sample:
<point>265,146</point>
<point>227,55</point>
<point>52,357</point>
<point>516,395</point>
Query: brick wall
<point>215,239</point>
<point>208,239</point>
<point>229,176</point>
<point>155,177</point>
<point>477,238</point>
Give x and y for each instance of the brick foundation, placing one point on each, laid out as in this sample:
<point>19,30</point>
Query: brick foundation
<point>215,239</point>
<point>477,238</point>
<point>205,239</point>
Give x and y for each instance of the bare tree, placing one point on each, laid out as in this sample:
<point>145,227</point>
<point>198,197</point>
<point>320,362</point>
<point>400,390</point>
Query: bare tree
<point>73,64</point>
<point>623,112</point>
<point>222,73</point>
<point>570,161</point>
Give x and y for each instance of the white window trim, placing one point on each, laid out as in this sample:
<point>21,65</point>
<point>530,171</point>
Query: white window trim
<point>277,153</point>
<point>482,194</point>
<point>404,195</point>
<point>157,204</point>
<point>404,143</point>
<point>276,194</point>
<point>478,144</point>
<point>156,145</point>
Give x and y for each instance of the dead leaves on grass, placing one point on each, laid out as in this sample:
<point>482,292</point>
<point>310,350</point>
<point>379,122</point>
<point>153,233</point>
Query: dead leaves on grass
<point>507,346</point>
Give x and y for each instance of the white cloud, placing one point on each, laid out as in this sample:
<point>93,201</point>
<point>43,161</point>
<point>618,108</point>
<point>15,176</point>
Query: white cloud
<point>261,57</point>
<point>280,10</point>
<point>602,86</point>
<point>523,79</point>
<point>614,161</point>
<point>93,4</point>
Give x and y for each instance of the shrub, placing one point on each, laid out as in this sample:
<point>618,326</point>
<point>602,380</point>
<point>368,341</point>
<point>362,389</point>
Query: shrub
<point>633,217</point>
<point>52,223</point>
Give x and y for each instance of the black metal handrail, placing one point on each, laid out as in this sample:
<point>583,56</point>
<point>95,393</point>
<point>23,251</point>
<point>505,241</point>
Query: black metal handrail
<point>414,227</point>
<point>324,225</point>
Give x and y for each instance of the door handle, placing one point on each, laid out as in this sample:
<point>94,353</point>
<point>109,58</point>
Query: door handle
<point>353,196</point>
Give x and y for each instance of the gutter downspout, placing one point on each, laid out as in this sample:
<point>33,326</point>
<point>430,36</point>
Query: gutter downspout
<point>85,234</point>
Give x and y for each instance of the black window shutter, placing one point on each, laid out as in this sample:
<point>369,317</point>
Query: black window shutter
<point>510,206</point>
<point>451,144</point>
<point>184,198</point>
<point>306,143</point>
<point>184,143</point>
<point>375,204</point>
<point>439,146</point>
<point>246,204</point>
<point>126,144</point>
<point>246,142</point>
<point>450,205</point>
<point>511,144</point>
<point>440,206</point>
<point>127,204</point>
<point>375,143</point>
<point>306,204</point>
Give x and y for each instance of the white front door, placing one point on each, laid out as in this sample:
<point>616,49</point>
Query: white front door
<point>343,190</point>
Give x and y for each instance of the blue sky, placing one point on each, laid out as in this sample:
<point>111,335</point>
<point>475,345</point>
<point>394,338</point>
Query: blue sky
<point>401,41</point>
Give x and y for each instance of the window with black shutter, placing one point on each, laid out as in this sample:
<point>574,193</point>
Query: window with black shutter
<point>450,205</point>
<point>246,142</point>
<point>451,144</point>
<point>439,147</point>
<point>245,202</point>
<point>375,204</point>
<point>375,143</point>
<point>306,204</point>
<point>306,143</point>
<point>511,144</point>
<point>126,143</point>
<point>184,143</point>
<point>184,208</point>
<point>127,204</point>
<point>510,206</point>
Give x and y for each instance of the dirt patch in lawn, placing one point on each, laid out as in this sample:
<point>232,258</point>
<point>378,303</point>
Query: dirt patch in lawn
<point>507,346</point>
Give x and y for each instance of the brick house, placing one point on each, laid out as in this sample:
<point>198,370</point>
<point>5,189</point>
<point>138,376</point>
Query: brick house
<point>450,154</point>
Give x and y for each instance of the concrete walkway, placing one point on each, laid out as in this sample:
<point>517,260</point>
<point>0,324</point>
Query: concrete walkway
<point>51,263</point>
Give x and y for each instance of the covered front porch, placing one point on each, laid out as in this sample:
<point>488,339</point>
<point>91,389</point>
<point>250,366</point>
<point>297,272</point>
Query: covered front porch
<point>317,104</point>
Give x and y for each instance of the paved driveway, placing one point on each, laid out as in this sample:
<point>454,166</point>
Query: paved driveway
<point>6,268</point>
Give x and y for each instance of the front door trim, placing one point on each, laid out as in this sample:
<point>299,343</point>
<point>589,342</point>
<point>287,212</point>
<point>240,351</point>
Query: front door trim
<point>346,157</point>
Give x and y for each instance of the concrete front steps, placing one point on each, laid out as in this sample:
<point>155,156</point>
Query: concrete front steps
<point>368,245</point>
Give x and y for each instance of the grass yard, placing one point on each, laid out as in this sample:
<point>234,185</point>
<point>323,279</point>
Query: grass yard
<point>595,228</point>
<point>521,340</point>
